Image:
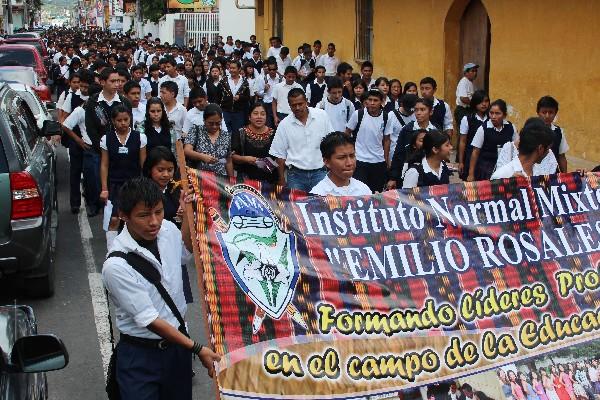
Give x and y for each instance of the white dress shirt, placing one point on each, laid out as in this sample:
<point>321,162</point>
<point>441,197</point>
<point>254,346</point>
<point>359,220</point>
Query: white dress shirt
<point>509,152</point>
<point>330,64</point>
<point>300,144</point>
<point>411,178</point>
<point>176,117</point>
<point>280,93</point>
<point>66,104</point>
<point>137,302</point>
<point>282,64</point>
<point>77,118</point>
<point>465,88</point>
<point>509,170</point>
<point>182,85</point>
<point>354,188</point>
<point>480,135</point>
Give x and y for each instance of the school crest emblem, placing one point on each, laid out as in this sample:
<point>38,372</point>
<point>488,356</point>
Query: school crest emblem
<point>260,255</point>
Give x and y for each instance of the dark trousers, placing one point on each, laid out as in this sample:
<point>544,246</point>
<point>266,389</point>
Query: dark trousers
<point>234,120</point>
<point>91,178</point>
<point>281,116</point>
<point>373,175</point>
<point>152,374</point>
<point>75,169</point>
<point>270,119</point>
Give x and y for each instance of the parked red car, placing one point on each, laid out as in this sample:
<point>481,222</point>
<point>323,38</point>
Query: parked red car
<point>37,42</point>
<point>25,55</point>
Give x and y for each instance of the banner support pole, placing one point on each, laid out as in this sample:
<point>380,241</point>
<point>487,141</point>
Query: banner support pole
<point>197,259</point>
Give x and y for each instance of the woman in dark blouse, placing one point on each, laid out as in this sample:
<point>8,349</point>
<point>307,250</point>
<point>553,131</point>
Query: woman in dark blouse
<point>251,146</point>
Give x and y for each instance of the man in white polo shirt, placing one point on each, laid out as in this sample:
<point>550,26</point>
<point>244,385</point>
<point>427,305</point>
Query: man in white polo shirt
<point>297,142</point>
<point>464,91</point>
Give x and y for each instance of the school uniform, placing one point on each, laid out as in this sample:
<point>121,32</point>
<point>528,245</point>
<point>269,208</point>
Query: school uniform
<point>234,111</point>
<point>182,85</point>
<point>280,93</point>
<point>315,92</point>
<point>148,366</point>
<point>124,161</point>
<point>330,64</point>
<point>146,88</point>
<point>154,87</point>
<point>196,117</point>
<point>157,137</point>
<point>371,167</point>
<point>267,95</point>
<point>465,88</point>
<point>421,174</point>
<point>75,151</point>
<point>469,126</point>
<point>327,188</point>
<point>176,117</point>
<point>559,144</point>
<point>139,116</point>
<point>274,52</point>
<point>370,84</point>
<point>401,150</point>
<point>396,121</point>
<point>490,140</point>
<point>509,152</point>
<point>283,63</point>
<point>441,115</point>
<point>339,114</point>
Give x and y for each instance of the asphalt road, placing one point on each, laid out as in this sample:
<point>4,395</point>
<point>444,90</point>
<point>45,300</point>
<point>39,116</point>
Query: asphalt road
<point>75,315</point>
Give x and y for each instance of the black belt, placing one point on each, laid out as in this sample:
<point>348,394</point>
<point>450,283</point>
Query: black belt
<point>161,344</point>
<point>292,168</point>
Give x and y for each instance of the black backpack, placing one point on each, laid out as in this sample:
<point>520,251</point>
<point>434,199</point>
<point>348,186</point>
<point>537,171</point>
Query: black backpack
<point>361,114</point>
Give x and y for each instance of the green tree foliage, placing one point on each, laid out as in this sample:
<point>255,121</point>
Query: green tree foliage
<point>153,10</point>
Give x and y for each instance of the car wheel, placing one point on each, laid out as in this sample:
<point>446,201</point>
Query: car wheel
<point>43,286</point>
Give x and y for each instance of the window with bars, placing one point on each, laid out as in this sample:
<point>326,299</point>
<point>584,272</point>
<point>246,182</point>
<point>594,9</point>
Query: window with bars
<point>364,30</point>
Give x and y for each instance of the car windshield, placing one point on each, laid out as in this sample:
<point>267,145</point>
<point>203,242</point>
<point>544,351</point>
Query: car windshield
<point>11,75</point>
<point>22,57</point>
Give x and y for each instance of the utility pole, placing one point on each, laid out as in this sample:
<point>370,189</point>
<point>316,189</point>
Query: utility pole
<point>9,17</point>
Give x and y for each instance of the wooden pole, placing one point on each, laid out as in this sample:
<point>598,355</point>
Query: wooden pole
<point>189,211</point>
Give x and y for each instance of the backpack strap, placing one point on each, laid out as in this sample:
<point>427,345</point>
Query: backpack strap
<point>361,115</point>
<point>152,275</point>
<point>399,118</point>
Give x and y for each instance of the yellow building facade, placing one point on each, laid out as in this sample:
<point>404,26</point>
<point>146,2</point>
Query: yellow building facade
<point>527,49</point>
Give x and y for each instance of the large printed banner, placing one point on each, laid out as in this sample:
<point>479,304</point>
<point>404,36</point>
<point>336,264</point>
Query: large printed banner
<point>329,297</point>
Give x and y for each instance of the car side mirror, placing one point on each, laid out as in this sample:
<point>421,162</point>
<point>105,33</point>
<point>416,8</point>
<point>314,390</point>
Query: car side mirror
<point>51,128</point>
<point>39,353</point>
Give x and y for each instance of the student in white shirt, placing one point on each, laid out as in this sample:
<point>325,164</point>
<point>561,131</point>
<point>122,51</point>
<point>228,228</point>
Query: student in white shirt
<point>441,114</point>
<point>176,112</point>
<point>339,157</point>
<point>265,87</point>
<point>183,92</point>
<point>366,74</point>
<point>229,47</point>
<point>464,91</point>
<point>283,60</point>
<point>297,141</point>
<point>372,143</point>
<point>195,115</point>
<point>280,104</point>
<point>137,74</point>
<point>151,337</point>
<point>547,108</point>
<point>275,48</point>
<point>338,109</point>
<point>535,141</point>
<point>132,91</point>
<point>329,60</point>
<point>432,169</point>
<point>398,119</point>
